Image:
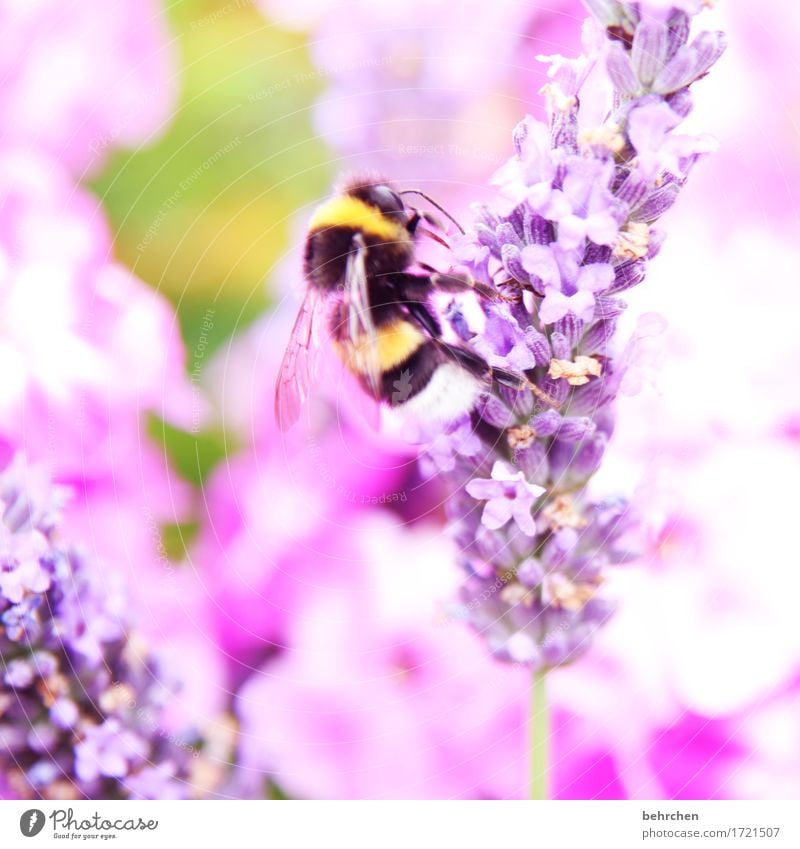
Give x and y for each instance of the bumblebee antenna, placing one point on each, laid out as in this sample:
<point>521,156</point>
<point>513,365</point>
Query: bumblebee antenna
<point>432,202</point>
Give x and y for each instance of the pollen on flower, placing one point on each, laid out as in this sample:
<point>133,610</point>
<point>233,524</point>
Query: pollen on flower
<point>520,436</point>
<point>606,136</point>
<point>117,696</point>
<point>561,513</point>
<point>575,372</point>
<point>632,241</point>
<point>516,593</point>
<point>559,591</point>
<point>556,98</point>
<point>50,689</point>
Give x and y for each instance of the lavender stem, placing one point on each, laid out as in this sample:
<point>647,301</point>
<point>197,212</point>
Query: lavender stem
<point>539,734</point>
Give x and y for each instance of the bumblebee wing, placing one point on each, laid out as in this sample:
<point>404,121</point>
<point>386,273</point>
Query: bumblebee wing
<point>361,326</point>
<point>298,367</point>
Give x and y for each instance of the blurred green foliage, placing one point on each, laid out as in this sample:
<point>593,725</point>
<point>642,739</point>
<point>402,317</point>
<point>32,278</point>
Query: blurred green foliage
<point>193,455</point>
<point>203,214</point>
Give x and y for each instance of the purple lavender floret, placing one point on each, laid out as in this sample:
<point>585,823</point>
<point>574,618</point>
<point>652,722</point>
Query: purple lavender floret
<point>80,696</point>
<point>571,229</point>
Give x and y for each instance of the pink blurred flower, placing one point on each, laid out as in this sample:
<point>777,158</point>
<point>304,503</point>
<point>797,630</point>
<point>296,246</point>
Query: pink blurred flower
<point>78,330</point>
<point>80,78</point>
<point>421,93</point>
<point>285,498</point>
<point>378,694</point>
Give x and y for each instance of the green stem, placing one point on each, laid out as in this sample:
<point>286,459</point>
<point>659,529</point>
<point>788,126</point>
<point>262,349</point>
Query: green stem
<point>539,736</point>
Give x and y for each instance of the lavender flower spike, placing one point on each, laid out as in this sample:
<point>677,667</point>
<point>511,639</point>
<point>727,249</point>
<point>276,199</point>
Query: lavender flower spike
<point>572,227</point>
<point>80,698</point>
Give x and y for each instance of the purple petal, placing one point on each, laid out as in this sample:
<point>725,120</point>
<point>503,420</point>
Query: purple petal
<point>496,513</point>
<point>620,69</point>
<point>501,471</point>
<point>507,235</point>
<point>113,764</point>
<point>553,307</point>
<point>560,345</point>
<point>512,262</point>
<point>533,462</point>
<point>709,46</point>
<point>575,429</point>
<point>522,516</point>
<point>595,277</point>
<point>609,307</point>
<point>633,190</point>
<point>657,202</point>
<point>627,275</point>
<point>571,231</point>
<point>530,572</point>
<point>589,456</point>
<point>582,304</point>
<point>649,50</point>
<point>539,346</point>
<point>537,229</point>
<point>679,27</point>
<point>602,228</point>
<point>691,62</point>
<point>570,328</point>
<point>649,124</point>
<point>521,648</point>
<point>482,489</point>
<point>64,713</point>
<point>547,423</point>
<point>539,260</point>
<point>598,336</point>
<point>86,767</point>
<point>495,412</point>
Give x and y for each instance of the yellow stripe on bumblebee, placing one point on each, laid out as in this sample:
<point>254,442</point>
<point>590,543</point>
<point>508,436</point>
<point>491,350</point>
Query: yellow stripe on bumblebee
<point>393,344</point>
<point>352,212</point>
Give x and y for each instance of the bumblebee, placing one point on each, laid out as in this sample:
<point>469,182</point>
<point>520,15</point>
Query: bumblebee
<point>359,251</point>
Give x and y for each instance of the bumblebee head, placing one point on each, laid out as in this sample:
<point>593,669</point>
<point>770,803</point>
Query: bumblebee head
<point>380,195</point>
<point>367,208</point>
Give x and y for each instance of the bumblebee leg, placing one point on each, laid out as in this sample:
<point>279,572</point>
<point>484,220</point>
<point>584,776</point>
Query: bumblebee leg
<point>472,362</point>
<point>418,286</point>
<point>450,282</point>
<point>424,317</point>
<point>519,381</point>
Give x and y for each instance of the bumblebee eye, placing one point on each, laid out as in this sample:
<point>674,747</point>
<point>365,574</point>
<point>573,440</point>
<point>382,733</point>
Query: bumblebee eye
<point>387,200</point>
